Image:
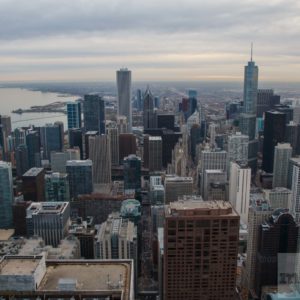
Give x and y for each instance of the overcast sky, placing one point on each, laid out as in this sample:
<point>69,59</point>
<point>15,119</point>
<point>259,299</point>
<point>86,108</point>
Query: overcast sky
<point>157,39</point>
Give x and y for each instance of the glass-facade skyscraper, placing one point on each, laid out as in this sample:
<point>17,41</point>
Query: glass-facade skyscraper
<point>6,195</point>
<point>74,114</point>
<point>132,173</point>
<point>94,113</point>
<point>124,95</point>
<point>50,139</point>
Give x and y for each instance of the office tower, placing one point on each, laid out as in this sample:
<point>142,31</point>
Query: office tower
<point>200,250</point>
<point>59,159</point>
<point>94,113</point>
<point>87,135</point>
<point>277,235</point>
<point>295,187</point>
<point>274,132</point>
<point>156,191</point>
<point>112,279</point>
<point>259,210</point>
<point>34,149</point>
<point>6,195</point>
<point>51,139</point>
<point>74,114</point>
<point>113,134</point>
<point>80,177</point>
<point>176,186</point>
<point>99,154</point>
<point>132,173</point>
<point>5,121</point>
<point>211,160</point>
<point>292,136</point>
<point>149,115</point>
<point>122,124</point>
<point>18,137</point>
<point>155,153</point>
<point>233,109</point>
<point>49,220</point>
<point>266,100</point>
<point>62,132</point>
<point>166,120</point>
<point>131,210</point>
<point>239,189</point>
<point>192,94</point>
<point>56,187</point>
<point>21,155</point>
<point>238,148</point>
<point>215,182</point>
<point>127,145</point>
<point>33,185</point>
<point>279,197</point>
<point>75,139</point>
<point>282,155</point>
<point>247,124</point>
<point>116,239</point>
<point>3,145</point>
<point>139,99</point>
<point>19,216</point>
<point>296,114</point>
<point>124,95</point>
<point>285,109</point>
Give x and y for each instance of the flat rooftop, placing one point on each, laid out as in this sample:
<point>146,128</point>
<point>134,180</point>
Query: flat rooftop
<point>19,266</point>
<point>33,172</point>
<point>6,234</point>
<point>79,163</point>
<point>47,207</point>
<point>197,207</point>
<point>178,179</point>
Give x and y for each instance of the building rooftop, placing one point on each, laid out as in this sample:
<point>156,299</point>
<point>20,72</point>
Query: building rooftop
<point>36,208</point>
<point>196,208</point>
<point>6,234</point>
<point>79,163</point>
<point>178,179</point>
<point>155,138</point>
<point>33,172</point>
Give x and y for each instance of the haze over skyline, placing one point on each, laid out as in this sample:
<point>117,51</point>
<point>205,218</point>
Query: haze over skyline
<point>157,40</point>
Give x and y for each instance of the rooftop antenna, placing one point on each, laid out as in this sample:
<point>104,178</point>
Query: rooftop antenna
<point>251,50</point>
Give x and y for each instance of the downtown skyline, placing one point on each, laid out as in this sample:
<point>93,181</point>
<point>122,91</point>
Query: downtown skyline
<point>90,40</point>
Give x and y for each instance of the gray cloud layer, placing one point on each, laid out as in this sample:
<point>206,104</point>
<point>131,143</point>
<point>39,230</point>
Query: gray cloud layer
<point>211,37</point>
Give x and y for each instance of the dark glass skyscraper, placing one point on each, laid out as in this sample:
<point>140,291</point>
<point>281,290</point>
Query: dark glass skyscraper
<point>132,173</point>
<point>51,139</point>
<point>75,139</point>
<point>149,114</point>
<point>74,114</point>
<point>274,133</point>
<point>33,147</point>
<point>94,113</point>
<point>21,155</point>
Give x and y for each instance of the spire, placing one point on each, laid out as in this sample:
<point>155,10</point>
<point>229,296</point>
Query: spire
<point>251,50</point>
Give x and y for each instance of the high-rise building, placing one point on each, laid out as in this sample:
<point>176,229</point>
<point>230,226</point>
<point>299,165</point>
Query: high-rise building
<point>19,216</point>
<point>292,136</point>
<point>127,145</point>
<point>94,113</point>
<point>51,139</point>
<point>200,250</point>
<point>48,220</point>
<point>259,210</point>
<point>274,133</point>
<point>100,155</point>
<point>149,115</point>
<point>156,191</point>
<point>56,187</point>
<point>74,114</point>
<point>21,155</point>
<point>238,148</point>
<point>239,189</point>
<point>61,127</point>
<point>5,121</point>
<point>33,185</point>
<point>279,197</point>
<point>277,235</point>
<point>266,100</point>
<point>59,159</point>
<point>282,155</point>
<point>155,153</point>
<point>18,137</point>
<point>176,186</point>
<point>34,149</point>
<point>6,195</point>
<point>122,124</point>
<point>75,139</point>
<point>124,95</point>
<point>113,134</point>
<point>212,160</point>
<point>87,135</point>
<point>132,173</point>
<point>215,182</point>
<point>80,175</point>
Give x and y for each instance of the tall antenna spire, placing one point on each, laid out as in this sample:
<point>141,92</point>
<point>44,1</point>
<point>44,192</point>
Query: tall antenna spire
<point>251,50</point>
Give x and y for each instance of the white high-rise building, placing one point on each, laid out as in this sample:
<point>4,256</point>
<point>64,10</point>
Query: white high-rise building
<point>238,148</point>
<point>239,189</point>
<point>282,155</point>
<point>124,95</point>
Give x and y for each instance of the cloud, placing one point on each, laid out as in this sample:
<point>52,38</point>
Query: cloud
<point>41,35</point>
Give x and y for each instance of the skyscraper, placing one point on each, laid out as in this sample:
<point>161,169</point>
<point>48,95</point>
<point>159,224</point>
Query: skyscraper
<point>21,155</point>
<point>155,153</point>
<point>148,111</point>
<point>74,114</point>
<point>75,139</point>
<point>200,250</point>
<point>124,95</point>
<point>94,113</point>
<point>51,139</point>
<point>56,187</point>
<point>6,195</point>
<point>239,189</point>
<point>132,173</point>
<point>282,155</point>
<point>33,185</point>
<point>274,133</point>
<point>176,186</point>
<point>266,100</point>
<point>99,154</point>
<point>295,203</point>
<point>113,134</point>
<point>34,148</point>
<point>238,148</point>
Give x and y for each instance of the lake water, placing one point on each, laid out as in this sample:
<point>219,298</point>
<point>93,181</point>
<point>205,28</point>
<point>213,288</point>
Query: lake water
<point>14,98</point>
